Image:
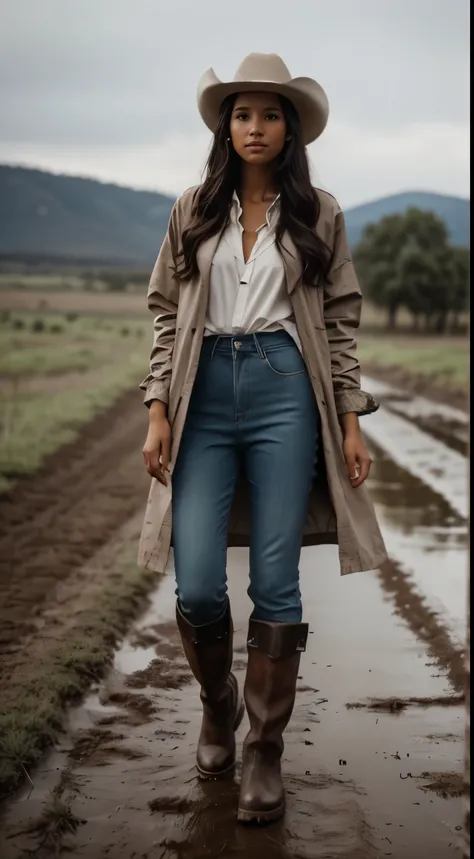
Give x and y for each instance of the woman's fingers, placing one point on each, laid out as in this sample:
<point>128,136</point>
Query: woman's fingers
<point>157,449</point>
<point>165,453</point>
<point>361,471</point>
<point>351,463</point>
<point>152,463</point>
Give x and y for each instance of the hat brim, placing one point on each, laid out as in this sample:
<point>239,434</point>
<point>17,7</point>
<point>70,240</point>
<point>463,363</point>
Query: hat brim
<point>306,94</point>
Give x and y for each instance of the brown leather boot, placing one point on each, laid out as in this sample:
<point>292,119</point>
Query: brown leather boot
<point>208,650</point>
<point>274,656</point>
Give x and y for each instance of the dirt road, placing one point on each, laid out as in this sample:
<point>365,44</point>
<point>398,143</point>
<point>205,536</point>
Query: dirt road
<point>374,754</point>
<point>59,518</point>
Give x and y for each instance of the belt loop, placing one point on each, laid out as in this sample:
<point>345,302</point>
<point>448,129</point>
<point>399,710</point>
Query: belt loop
<point>260,352</point>
<point>215,345</point>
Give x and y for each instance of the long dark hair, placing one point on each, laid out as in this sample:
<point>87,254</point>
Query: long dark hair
<point>299,209</point>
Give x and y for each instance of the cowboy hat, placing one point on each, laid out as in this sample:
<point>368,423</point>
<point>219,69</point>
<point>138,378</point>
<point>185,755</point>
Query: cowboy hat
<point>266,73</point>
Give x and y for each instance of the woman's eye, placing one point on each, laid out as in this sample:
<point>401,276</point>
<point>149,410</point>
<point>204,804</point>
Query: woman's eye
<point>273,116</point>
<point>242,116</point>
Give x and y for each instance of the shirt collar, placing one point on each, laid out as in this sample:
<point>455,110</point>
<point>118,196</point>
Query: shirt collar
<point>272,211</point>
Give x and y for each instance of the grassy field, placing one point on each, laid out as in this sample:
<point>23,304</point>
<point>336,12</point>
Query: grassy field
<point>56,373</point>
<point>67,354</point>
<point>63,666</point>
<point>441,361</point>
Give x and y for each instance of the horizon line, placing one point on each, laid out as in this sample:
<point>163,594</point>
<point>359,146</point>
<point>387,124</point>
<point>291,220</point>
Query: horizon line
<point>149,190</point>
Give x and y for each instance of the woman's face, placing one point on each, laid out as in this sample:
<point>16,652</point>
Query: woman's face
<point>258,127</point>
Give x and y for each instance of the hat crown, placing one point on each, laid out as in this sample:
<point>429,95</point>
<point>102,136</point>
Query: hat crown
<point>263,67</point>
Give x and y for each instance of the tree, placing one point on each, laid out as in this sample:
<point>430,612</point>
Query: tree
<point>406,260</point>
<point>459,284</point>
<point>417,276</point>
<point>375,258</point>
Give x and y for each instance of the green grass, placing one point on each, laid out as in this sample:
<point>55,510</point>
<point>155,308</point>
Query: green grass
<point>40,281</point>
<point>33,701</point>
<point>443,361</point>
<point>36,419</point>
<point>52,344</point>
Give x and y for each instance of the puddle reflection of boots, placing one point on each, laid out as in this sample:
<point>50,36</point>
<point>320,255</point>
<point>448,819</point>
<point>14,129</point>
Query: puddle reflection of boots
<point>208,649</point>
<point>274,656</point>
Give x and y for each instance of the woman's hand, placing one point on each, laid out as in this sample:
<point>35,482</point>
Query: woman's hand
<point>157,447</point>
<point>357,456</point>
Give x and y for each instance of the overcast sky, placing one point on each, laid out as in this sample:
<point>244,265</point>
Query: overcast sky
<point>106,88</point>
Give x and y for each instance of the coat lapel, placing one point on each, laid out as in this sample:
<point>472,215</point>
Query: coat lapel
<point>205,255</point>
<point>291,262</point>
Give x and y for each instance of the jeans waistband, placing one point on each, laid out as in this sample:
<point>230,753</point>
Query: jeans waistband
<point>226,344</point>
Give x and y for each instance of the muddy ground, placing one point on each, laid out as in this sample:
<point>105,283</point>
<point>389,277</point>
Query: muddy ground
<point>51,523</point>
<point>374,753</point>
<point>413,383</point>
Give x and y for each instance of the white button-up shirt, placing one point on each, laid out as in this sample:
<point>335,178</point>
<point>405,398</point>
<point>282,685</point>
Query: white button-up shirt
<point>245,298</point>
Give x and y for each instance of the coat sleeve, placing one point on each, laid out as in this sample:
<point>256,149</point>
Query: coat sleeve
<point>163,294</point>
<point>342,309</point>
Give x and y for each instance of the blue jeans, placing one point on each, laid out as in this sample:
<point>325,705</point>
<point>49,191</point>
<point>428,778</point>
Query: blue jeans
<point>252,408</point>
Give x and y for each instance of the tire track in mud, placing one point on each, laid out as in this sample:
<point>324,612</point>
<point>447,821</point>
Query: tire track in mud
<point>408,500</point>
<point>424,623</point>
<point>53,522</point>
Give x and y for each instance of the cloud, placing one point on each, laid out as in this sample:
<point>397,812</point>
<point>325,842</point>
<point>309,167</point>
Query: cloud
<point>108,89</point>
<point>355,164</point>
<point>362,164</point>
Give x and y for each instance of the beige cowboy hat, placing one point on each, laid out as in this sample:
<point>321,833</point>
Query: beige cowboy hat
<point>266,73</point>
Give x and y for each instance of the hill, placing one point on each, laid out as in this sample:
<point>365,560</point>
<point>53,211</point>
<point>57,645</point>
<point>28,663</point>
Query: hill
<point>454,211</point>
<point>45,216</point>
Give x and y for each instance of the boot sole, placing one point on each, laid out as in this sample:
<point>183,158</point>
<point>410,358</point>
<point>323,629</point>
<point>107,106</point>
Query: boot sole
<point>238,719</point>
<point>260,817</point>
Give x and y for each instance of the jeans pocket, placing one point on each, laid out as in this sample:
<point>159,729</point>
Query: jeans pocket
<point>285,361</point>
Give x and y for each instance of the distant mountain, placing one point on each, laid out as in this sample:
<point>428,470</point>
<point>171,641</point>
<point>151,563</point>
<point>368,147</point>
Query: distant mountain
<point>45,216</point>
<point>454,211</point>
<point>42,214</point>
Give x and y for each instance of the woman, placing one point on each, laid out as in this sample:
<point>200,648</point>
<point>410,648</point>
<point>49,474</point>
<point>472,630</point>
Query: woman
<point>254,398</point>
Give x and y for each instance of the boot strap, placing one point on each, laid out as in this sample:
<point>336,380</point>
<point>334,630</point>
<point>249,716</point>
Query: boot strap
<point>277,640</point>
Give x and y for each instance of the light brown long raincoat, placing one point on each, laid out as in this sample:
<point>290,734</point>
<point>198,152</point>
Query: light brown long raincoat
<point>326,321</point>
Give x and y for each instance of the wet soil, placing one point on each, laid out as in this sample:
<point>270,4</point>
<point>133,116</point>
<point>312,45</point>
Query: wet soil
<point>374,753</point>
<point>443,422</point>
<point>53,522</point>
<point>426,537</point>
<point>447,785</point>
<point>413,383</point>
<point>364,781</point>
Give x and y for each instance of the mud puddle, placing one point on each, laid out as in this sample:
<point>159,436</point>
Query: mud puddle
<point>375,748</point>
<point>427,541</point>
<point>442,469</point>
<point>445,423</point>
<point>406,384</point>
<point>353,775</point>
